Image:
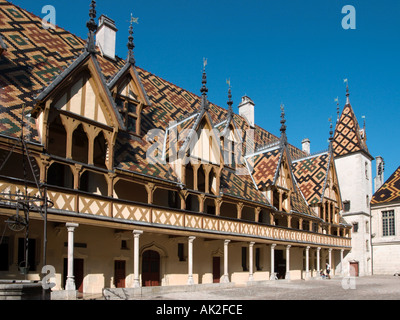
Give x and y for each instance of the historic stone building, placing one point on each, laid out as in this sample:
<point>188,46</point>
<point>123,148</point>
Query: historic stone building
<point>385,220</point>
<point>118,178</point>
<point>353,165</point>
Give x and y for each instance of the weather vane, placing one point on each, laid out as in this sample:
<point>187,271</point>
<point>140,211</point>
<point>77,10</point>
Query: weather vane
<point>134,20</point>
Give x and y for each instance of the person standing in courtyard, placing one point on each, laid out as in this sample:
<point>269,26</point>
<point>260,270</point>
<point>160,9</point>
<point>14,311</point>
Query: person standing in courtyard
<point>328,270</point>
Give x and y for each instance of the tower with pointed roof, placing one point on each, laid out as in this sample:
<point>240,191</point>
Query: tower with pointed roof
<point>353,164</point>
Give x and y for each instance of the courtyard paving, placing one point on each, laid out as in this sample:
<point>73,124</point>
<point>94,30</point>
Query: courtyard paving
<point>361,288</point>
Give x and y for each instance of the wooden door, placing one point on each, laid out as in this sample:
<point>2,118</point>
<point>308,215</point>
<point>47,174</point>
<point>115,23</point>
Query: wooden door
<point>119,273</point>
<point>354,269</point>
<point>216,269</point>
<point>151,269</point>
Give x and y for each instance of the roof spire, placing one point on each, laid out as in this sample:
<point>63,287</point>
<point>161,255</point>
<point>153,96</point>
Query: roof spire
<point>230,102</point>
<point>283,121</point>
<point>204,90</point>
<point>331,135</point>
<point>347,92</point>
<point>337,109</point>
<point>92,26</point>
<point>131,45</point>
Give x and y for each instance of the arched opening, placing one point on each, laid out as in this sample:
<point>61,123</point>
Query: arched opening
<point>131,191</point>
<point>189,177</point>
<point>80,145</point>
<point>192,203</point>
<point>57,143</point>
<point>248,214</point>
<point>93,183</point>
<point>201,179</point>
<point>228,210</point>
<point>100,151</point>
<point>151,269</point>
<point>212,182</point>
<point>264,217</point>
<point>209,206</point>
<point>166,198</point>
<point>14,167</point>
<point>60,175</point>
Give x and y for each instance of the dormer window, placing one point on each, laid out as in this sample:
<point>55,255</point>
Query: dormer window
<point>129,113</point>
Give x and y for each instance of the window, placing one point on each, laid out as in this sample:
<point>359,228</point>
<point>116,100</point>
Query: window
<point>124,245</point>
<point>355,226</point>
<point>181,254</point>
<point>129,112</point>
<point>346,205</point>
<point>366,171</point>
<point>388,223</point>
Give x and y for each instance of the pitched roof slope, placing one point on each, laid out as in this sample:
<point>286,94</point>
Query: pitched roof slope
<point>310,174</point>
<point>389,191</point>
<point>36,57</point>
<point>347,138</point>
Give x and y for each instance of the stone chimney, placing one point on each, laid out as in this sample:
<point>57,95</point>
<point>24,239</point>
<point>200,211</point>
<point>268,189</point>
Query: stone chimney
<point>306,144</point>
<point>246,110</point>
<point>106,36</point>
<point>380,169</point>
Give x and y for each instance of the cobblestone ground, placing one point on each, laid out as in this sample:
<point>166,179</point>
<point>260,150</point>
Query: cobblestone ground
<point>362,288</point>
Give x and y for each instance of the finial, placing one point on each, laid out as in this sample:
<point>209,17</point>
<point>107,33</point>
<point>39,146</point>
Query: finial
<point>337,109</point>
<point>204,90</point>
<point>92,26</point>
<point>131,45</point>
<point>230,102</point>
<point>331,130</point>
<point>283,121</point>
<point>347,92</point>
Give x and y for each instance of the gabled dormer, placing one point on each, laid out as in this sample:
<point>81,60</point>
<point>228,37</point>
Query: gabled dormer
<point>76,115</point>
<point>231,140</point>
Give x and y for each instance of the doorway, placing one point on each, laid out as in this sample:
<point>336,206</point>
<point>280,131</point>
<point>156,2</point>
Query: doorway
<point>216,269</point>
<point>78,273</point>
<point>119,273</point>
<point>354,269</point>
<point>151,269</point>
<point>280,264</point>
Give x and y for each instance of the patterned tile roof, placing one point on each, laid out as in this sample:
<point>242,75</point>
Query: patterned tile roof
<point>347,138</point>
<point>389,191</point>
<point>35,57</point>
<point>310,175</point>
<point>265,167</point>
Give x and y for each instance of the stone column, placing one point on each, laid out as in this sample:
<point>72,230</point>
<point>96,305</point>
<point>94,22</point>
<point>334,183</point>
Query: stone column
<point>318,262</point>
<point>330,260</point>
<point>70,284</point>
<point>272,277</point>
<point>226,275</point>
<point>341,263</point>
<point>136,259</point>
<point>190,262</point>
<point>251,261</point>
<point>287,275</point>
<point>307,263</point>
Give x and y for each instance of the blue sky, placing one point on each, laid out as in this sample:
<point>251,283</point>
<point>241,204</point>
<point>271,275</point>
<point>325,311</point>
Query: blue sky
<point>291,52</point>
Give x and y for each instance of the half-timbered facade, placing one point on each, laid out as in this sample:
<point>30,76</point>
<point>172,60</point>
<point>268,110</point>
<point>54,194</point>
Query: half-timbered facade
<point>147,183</point>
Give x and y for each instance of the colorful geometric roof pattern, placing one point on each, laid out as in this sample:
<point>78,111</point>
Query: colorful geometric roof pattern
<point>35,58</point>
<point>347,138</point>
<point>310,175</point>
<point>265,167</point>
<point>389,191</point>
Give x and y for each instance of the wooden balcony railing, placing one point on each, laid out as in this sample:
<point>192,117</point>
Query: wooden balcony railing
<point>66,200</point>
